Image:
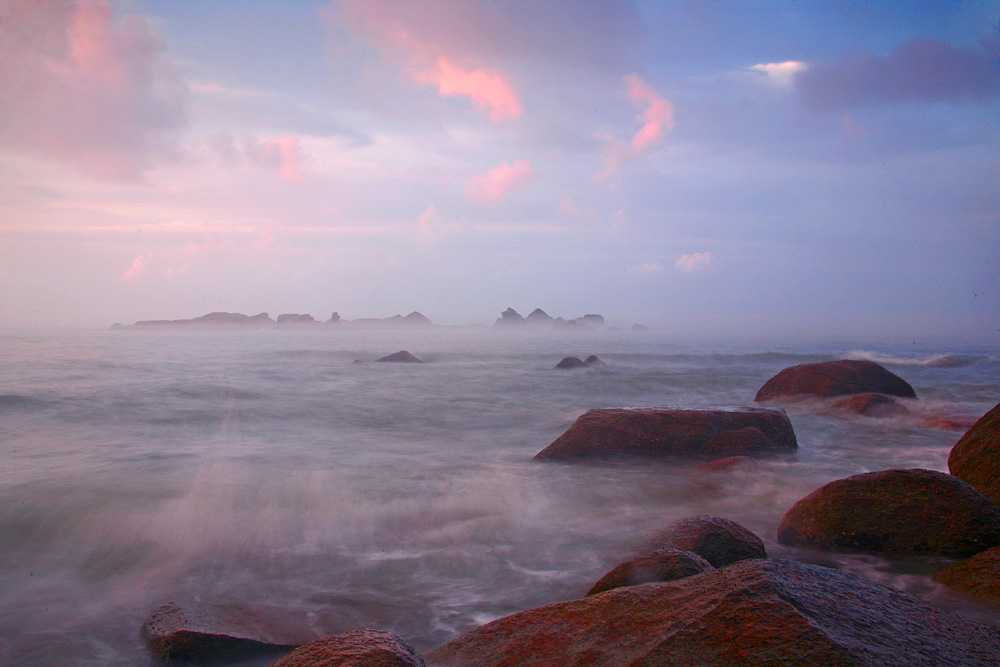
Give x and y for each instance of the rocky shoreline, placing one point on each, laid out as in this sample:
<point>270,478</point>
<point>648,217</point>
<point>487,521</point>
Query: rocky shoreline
<point>702,591</point>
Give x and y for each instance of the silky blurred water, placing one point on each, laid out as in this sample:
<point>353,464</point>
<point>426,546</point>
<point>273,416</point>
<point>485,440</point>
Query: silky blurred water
<point>267,466</point>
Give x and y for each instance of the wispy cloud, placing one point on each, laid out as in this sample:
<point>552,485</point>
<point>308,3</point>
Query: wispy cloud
<point>657,120</point>
<point>692,262</point>
<point>137,268</point>
<point>494,185</point>
<point>780,74</point>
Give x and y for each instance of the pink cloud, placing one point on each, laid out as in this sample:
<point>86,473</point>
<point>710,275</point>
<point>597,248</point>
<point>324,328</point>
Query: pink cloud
<point>657,120</point>
<point>86,88</point>
<point>698,260</point>
<point>175,271</point>
<point>138,267</point>
<point>487,90</point>
<point>425,224</point>
<point>494,185</point>
<point>283,154</point>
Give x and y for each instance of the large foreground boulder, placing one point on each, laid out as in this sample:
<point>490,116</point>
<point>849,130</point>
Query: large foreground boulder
<point>361,648</point>
<point>659,565</point>
<point>224,632</point>
<point>976,456</point>
<point>894,512</point>
<point>672,432</point>
<point>835,378</point>
<point>718,540</point>
<point>754,613</point>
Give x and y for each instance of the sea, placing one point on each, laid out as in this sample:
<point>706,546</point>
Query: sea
<point>288,468</point>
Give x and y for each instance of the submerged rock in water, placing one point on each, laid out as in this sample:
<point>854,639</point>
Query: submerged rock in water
<point>976,457</point>
<point>894,512</point>
<point>402,356</point>
<point>878,406</point>
<point>719,541</point>
<point>835,378</point>
<point>659,565</point>
<point>362,648</point>
<point>977,577</point>
<point>593,360</point>
<point>571,362</point>
<point>667,432</point>
<point>754,613</point>
<point>729,464</point>
<point>219,632</point>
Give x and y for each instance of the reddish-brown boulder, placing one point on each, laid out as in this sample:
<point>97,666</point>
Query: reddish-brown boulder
<point>660,565</point>
<point>402,356</point>
<point>728,464</point>
<point>670,432</point>
<point>976,456</point>
<point>752,614</point>
<point>217,632</point>
<point>718,540</point>
<point>894,512</point>
<point>362,648</point>
<point>977,577</point>
<point>835,378</point>
<point>878,406</point>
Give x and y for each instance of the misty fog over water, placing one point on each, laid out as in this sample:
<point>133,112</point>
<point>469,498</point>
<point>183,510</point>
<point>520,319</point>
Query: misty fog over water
<point>266,466</point>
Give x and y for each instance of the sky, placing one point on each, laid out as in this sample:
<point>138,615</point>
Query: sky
<point>806,167</point>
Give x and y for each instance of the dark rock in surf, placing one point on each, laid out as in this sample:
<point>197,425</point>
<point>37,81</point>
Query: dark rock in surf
<point>659,565</point>
<point>334,318</point>
<point>593,360</point>
<point>224,632</point>
<point>674,432</point>
<point>728,464</point>
<point>638,327</point>
<point>976,457</point>
<point>362,648</point>
<point>571,362</point>
<point>834,378</point>
<point>878,406</point>
<point>977,577</point>
<point>753,614</point>
<point>894,512</point>
<point>719,541</point>
<point>401,357</point>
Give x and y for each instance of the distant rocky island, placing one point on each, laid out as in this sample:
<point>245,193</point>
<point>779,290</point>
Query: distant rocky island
<point>509,319</point>
<point>285,320</point>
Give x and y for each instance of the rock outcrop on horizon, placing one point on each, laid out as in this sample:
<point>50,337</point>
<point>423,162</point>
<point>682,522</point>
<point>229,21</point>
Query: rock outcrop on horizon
<point>755,613</point>
<point>400,357</point>
<point>894,512</point>
<point>834,378</point>
<point>975,458</point>
<point>539,318</point>
<point>239,320</point>
<point>674,432</point>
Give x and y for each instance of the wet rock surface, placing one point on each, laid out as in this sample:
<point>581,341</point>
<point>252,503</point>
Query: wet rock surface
<point>362,648</point>
<point>211,632</point>
<point>835,378</point>
<point>894,512</point>
<point>878,406</point>
<point>674,432</point>
<point>976,457</point>
<point>656,566</point>
<point>718,540</point>
<point>977,577</point>
<point>756,612</point>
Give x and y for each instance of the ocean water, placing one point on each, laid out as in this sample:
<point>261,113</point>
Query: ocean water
<point>267,466</point>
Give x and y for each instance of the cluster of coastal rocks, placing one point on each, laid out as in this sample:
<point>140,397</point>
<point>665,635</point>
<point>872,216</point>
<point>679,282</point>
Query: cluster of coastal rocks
<point>539,318</point>
<point>703,591</point>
